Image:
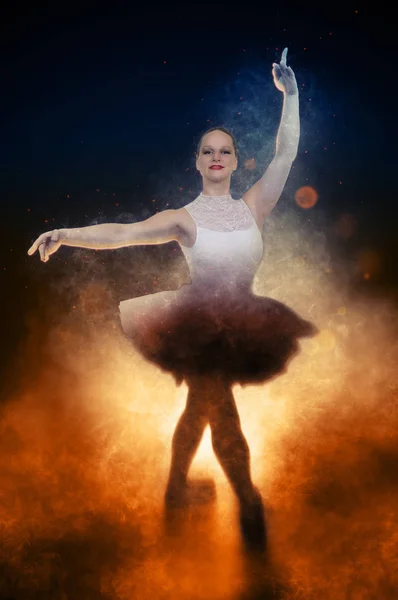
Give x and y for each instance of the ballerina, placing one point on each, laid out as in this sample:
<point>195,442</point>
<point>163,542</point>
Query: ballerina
<point>213,332</point>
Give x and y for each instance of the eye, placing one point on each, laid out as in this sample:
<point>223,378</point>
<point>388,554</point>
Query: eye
<point>226,152</point>
<point>206,151</point>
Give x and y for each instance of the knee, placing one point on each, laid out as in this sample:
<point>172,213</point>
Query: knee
<point>193,420</point>
<point>228,441</point>
<point>224,423</point>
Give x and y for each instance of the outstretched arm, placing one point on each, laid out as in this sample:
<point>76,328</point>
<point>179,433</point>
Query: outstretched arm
<point>159,229</point>
<point>265,193</point>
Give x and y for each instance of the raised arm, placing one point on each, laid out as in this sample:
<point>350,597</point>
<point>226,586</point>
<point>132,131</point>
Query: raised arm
<point>161,228</point>
<point>265,193</point>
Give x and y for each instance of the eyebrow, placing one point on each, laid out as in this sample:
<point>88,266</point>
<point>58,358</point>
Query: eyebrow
<point>207,146</point>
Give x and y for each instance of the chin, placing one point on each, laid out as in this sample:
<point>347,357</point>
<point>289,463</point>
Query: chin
<point>218,176</point>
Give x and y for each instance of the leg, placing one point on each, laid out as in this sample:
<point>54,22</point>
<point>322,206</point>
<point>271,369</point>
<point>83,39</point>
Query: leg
<point>229,443</point>
<point>233,453</point>
<point>186,440</point>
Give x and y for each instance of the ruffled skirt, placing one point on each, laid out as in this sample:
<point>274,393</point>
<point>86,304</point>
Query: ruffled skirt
<point>240,336</point>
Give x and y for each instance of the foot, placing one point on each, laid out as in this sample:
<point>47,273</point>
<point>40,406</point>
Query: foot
<point>175,497</point>
<point>195,492</point>
<point>252,524</point>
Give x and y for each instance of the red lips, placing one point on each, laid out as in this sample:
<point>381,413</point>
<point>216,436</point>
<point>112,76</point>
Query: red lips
<point>218,167</point>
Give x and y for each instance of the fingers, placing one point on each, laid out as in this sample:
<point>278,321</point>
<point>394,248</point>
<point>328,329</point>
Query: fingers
<point>42,243</point>
<point>35,246</point>
<point>43,255</point>
<point>284,57</point>
<point>276,71</point>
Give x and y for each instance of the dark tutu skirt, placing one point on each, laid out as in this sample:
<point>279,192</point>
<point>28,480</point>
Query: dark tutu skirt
<point>242,337</point>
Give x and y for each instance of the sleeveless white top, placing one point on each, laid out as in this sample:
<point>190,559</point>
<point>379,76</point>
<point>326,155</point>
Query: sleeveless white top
<point>228,246</point>
<point>224,258</point>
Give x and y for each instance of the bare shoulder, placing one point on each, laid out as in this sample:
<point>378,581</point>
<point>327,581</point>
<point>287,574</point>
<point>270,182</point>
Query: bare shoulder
<point>186,227</point>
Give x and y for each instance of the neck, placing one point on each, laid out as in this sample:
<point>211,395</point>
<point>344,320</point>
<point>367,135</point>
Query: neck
<point>211,189</point>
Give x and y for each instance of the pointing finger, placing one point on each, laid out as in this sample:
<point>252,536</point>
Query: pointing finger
<point>284,57</point>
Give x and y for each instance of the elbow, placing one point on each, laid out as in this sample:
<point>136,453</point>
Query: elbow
<point>287,153</point>
<point>286,157</point>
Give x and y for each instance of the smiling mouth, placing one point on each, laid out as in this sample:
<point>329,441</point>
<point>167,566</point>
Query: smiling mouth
<point>216,167</point>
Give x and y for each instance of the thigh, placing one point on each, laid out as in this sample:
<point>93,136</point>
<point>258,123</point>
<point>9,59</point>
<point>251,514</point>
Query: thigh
<point>206,395</point>
<point>222,410</point>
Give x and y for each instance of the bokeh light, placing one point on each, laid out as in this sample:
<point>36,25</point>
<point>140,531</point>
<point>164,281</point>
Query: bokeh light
<point>250,164</point>
<point>306,197</point>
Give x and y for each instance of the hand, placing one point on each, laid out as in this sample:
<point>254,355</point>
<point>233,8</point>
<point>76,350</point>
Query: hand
<point>47,243</point>
<point>284,77</point>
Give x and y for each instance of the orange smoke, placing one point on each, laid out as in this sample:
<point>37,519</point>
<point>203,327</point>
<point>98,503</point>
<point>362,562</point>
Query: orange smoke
<point>85,450</point>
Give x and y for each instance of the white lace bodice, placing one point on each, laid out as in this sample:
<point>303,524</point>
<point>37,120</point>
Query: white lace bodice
<point>228,246</point>
<point>220,213</point>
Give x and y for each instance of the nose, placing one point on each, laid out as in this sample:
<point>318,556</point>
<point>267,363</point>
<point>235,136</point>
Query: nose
<point>216,157</point>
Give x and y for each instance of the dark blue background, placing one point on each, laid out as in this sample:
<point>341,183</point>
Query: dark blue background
<point>117,102</point>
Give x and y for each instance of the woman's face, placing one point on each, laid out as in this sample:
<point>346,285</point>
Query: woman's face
<point>217,159</point>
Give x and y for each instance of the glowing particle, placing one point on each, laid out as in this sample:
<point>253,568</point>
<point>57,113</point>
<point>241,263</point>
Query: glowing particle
<point>341,310</point>
<point>369,262</point>
<point>68,195</point>
<point>306,196</point>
